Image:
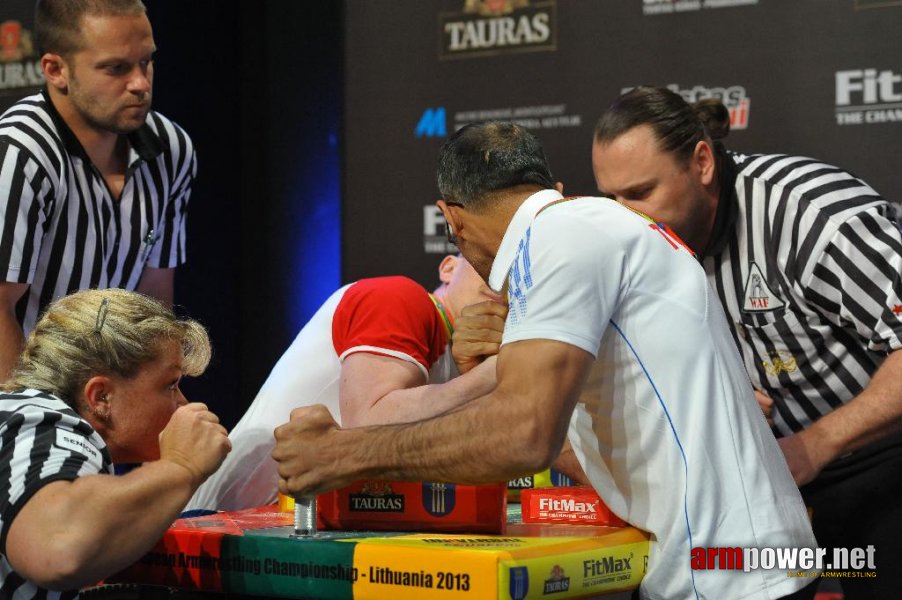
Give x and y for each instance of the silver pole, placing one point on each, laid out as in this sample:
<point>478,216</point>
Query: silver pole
<point>305,517</point>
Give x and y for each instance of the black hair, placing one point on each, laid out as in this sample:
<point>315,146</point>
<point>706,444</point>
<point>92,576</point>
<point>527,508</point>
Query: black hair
<point>678,126</point>
<point>485,157</point>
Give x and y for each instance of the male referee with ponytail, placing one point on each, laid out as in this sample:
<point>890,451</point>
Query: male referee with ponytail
<point>807,262</point>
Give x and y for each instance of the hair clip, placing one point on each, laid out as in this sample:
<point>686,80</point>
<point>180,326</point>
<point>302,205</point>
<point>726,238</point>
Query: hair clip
<point>101,314</point>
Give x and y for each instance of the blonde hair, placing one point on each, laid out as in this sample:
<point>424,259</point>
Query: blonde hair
<point>103,332</point>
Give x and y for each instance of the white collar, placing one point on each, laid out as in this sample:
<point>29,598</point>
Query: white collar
<point>515,231</point>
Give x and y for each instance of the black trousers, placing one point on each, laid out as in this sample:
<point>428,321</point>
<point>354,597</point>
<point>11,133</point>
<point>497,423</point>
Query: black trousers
<point>856,502</point>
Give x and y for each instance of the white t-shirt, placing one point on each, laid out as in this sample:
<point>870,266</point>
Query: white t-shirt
<point>391,316</point>
<point>667,428</point>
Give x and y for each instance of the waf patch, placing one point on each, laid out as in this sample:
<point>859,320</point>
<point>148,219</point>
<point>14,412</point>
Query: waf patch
<point>759,297</point>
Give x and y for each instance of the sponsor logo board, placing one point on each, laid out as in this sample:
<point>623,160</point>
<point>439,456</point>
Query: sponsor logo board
<point>492,27</point>
<point>20,66</point>
<point>667,7</point>
<point>868,96</point>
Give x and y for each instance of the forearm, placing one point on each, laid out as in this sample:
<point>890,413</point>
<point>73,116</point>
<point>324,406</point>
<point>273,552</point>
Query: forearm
<point>159,284</point>
<point>426,401</point>
<point>489,439</point>
<point>104,523</point>
<point>515,430</point>
<point>872,415</point>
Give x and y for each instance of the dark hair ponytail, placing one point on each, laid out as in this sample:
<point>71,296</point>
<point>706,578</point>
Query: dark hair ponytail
<point>714,117</point>
<point>678,125</point>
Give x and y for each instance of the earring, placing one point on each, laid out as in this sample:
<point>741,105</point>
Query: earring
<point>104,411</point>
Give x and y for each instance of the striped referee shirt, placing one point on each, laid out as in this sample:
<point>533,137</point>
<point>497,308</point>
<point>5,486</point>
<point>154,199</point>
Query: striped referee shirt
<point>806,260</point>
<point>60,228</point>
<point>41,440</point>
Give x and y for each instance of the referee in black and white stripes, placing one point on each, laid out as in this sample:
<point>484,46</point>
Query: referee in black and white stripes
<point>807,262</point>
<point>94,186</point>
<point>98,384</point>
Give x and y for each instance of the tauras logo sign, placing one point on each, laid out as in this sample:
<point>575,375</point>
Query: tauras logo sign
<point>376,497</point>
<point>556,582</point>
<point>19,65</point>
<point>360,502</point>
<point>486,27</point>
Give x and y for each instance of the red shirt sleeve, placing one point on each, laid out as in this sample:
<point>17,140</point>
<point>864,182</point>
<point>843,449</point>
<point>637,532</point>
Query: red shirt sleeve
<point>391,316</point>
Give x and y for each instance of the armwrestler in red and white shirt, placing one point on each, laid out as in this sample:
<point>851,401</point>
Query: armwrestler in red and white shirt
<point>369,354</point>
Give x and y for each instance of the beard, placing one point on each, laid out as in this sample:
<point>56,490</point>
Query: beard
<point>481,264</point>
<point>113,117</point>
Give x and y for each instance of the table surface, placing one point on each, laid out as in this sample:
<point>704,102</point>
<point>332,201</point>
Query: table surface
<point>253,554</point>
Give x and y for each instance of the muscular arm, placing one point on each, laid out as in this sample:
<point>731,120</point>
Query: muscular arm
<point>11,338</point>
<point>377,390</point>
<point>91,527</point>
<point>73,533</point>
<point>518,428</point>
<point>568,464</point>
<point>158,283</point>
<point>875,413</point>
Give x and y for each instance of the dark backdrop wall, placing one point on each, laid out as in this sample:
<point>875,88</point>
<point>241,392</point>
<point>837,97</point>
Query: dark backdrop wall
<point>821,78</point>
<point>257,86</point>
<point>197,85</point>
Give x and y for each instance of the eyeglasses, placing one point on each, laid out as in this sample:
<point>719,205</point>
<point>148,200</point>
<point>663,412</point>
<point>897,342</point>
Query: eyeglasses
<point>449,233</point>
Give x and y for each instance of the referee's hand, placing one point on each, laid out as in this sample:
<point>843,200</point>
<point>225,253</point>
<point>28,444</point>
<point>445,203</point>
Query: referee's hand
<point>194,439</point>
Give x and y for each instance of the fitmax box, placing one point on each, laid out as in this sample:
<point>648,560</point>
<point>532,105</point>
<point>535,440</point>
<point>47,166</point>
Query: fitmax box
<point>577,505</point>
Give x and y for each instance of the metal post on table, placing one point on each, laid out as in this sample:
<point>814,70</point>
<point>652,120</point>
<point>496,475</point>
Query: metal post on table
<point>305,517</point>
